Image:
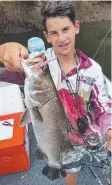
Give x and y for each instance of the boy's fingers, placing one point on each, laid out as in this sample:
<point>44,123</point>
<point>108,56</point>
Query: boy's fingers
<point>15,62</point>
<point>39,65</point>
<point>109,145</point>
<point>10,54</point>
<point>35,61</point>
<point>20,52</point>
<point>24,53</point>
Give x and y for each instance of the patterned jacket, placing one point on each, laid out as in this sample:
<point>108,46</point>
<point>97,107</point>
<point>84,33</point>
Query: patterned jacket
<point>93,100</point>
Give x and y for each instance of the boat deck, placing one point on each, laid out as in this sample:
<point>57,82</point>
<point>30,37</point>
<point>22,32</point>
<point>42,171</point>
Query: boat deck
<point>34,177</point>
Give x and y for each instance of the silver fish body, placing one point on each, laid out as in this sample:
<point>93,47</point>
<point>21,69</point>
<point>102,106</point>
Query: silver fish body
<point>47,116</point>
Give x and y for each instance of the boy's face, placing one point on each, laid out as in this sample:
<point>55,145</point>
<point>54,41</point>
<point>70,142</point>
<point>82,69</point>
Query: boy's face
<point>61,34</point>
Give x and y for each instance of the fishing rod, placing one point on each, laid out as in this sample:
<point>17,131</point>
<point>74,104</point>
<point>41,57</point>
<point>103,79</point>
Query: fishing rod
<point>102,42</point>
<point>108,82</point>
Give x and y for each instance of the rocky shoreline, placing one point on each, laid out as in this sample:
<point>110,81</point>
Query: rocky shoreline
<point>24,16</point>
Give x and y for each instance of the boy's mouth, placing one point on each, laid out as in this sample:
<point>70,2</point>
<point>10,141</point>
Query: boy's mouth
<point>63,45</point>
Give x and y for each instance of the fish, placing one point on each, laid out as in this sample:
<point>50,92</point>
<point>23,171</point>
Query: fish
<point>49,120</point>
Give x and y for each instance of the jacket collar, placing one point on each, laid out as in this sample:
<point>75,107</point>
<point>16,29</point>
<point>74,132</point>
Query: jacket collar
<point>55,68</point>
<point>84,64</point>
<point>84,60</point>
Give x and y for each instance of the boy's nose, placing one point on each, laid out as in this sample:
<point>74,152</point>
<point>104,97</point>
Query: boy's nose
<point>61,38</point>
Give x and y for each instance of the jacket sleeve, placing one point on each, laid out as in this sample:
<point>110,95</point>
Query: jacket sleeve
<point>12,77</point>
<point>102,104</point>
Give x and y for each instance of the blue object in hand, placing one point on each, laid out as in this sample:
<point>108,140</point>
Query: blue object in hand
<point>35,44</point>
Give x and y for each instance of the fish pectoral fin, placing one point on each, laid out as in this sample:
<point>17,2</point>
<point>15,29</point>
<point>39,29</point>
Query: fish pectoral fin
<point>25,118</point>
<point>39,154</point>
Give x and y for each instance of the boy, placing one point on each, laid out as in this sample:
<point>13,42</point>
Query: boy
<point>76,77</point>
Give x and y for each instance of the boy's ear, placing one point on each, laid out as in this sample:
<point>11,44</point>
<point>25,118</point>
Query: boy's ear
<point>77,26</point>
<point>46,36</point>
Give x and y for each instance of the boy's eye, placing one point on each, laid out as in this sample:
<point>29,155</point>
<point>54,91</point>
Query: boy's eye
<point>66,29</point>
<point>53,33</point>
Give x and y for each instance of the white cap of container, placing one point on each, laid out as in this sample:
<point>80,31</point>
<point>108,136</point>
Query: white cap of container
<point>36,44</point>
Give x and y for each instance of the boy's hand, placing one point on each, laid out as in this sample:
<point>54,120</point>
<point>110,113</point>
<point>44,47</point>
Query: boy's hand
<point>109,139</point>
<point>10,54</point>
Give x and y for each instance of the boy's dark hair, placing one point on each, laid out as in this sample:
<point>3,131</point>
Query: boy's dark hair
<point>58,8</point>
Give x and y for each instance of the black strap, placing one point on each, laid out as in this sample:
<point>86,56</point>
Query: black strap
<point>69,85</point>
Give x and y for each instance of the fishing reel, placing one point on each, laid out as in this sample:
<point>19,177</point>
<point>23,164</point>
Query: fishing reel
<point>92,142</point>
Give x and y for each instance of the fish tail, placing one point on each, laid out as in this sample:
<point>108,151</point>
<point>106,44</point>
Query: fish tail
<point>53,173</point>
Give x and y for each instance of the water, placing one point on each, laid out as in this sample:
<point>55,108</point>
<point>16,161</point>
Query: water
<point>88,40</point>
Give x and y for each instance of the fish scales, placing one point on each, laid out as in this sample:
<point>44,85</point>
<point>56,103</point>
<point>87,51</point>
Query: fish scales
<point>47,116</point>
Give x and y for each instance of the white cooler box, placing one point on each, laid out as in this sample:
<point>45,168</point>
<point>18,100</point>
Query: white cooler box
<point>14,141</point>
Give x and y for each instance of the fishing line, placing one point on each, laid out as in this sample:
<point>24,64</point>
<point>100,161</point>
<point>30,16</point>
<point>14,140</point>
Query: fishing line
<point>95,175</point>
<point>102,42</point>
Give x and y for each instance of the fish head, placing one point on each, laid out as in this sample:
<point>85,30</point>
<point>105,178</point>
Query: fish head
<point>29,63</point>
<point>36,85</point>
